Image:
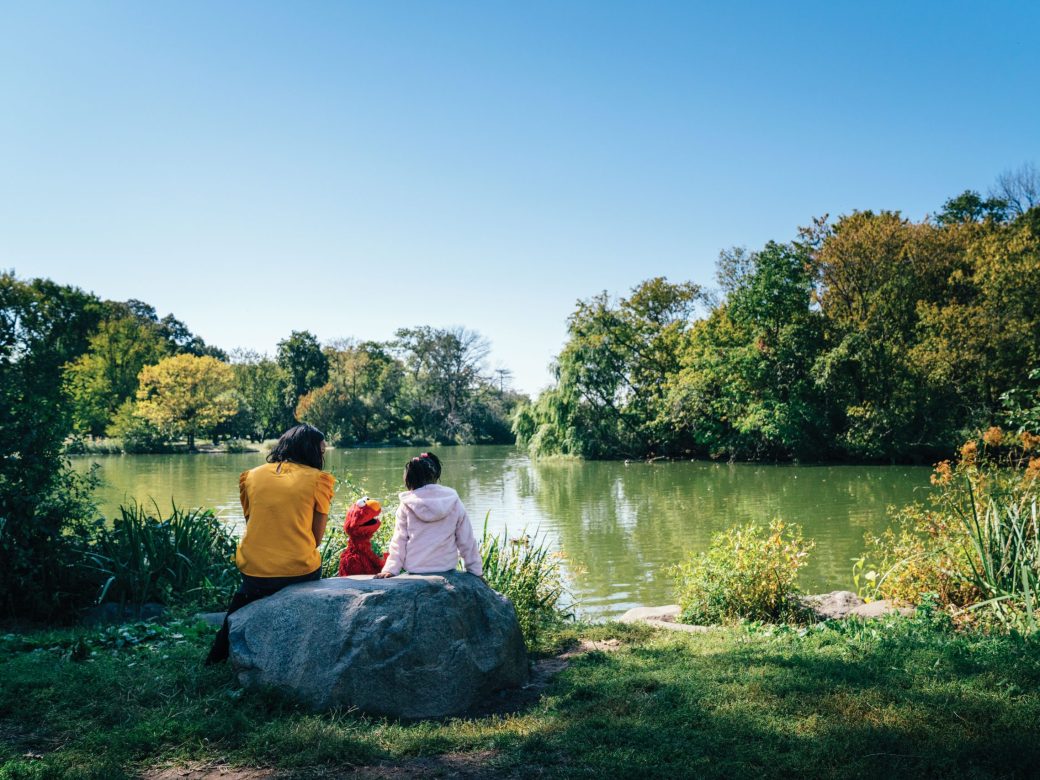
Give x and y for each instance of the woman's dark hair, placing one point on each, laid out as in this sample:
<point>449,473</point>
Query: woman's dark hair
<point>300,444</point>
<point>422,470</point>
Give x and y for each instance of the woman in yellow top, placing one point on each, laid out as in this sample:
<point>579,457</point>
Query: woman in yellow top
<point>286,506</point>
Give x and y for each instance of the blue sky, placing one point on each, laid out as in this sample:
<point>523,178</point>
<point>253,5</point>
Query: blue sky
<point>351,168</point>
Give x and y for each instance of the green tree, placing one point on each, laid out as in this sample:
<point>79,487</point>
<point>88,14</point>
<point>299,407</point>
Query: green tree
<point>43,502</point>
<point>874,274</point>
<point>445,368</point>
<point>105,376</point>
<point>744,389</point>
<point>610,376</point>
<point>369,380</point>
<point>186,395</point>
<point>969,206</point>
<point>262,386</point>
<point>307,367</point>
<point>981,338</point>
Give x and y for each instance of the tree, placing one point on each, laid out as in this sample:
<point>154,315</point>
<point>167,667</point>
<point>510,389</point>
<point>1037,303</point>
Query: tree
<point>101,379</point>
<point>1019,188</point>
<point>875,274</point>
<point>262,387</point>
<point>181,339</point>
<point>969,206</point>
<point>745,389</point>
<point>185,395</point>
<point>368,380</point>
<point>446,369</point>
<point>981,339</point>
<point>44,504</point>
<point>300,356</point>
<point>611,375</point>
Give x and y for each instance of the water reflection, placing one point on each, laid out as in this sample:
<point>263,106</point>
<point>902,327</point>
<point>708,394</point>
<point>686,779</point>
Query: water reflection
<point>620,525</point>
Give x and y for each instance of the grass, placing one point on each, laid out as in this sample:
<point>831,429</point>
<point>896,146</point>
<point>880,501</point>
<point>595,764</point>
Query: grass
<point>885,698</point>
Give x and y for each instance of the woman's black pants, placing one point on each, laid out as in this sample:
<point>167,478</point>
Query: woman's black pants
<point>252,589</point>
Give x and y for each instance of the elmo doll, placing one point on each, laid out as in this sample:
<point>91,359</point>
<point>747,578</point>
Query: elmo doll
<point>362,522</point>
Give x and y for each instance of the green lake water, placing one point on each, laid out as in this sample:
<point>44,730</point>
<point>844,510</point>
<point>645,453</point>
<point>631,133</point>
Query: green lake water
<point>618,525</point>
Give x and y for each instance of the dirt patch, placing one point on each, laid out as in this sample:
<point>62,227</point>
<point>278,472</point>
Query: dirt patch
<point>467,766</point>
<point>212,772</point>
<point>464,766</point>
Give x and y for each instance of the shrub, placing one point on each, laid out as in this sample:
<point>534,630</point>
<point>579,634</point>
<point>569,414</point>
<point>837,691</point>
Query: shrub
<point>184,558</point>
<point>748,573</point>
<point>136,433</point>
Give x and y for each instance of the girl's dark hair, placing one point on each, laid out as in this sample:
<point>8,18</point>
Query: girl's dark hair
<point>422,470</point>
<point>300,444</point>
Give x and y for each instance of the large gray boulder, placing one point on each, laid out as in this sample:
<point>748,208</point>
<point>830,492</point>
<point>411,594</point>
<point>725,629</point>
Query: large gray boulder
<point>409,646</point>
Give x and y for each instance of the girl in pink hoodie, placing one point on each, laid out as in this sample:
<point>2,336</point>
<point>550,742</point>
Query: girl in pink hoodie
<point>432,530</point>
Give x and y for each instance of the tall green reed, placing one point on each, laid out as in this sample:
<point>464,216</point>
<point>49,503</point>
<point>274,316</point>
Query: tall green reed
<point>185,557</point>
<point>1001,544</point>
<point>530,574</point>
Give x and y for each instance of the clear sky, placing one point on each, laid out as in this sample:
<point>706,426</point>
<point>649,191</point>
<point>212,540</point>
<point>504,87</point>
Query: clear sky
<point>350,168</point>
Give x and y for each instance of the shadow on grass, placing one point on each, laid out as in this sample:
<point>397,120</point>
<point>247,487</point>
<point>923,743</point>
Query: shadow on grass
<point>697,708</point>
<point>724,704</point>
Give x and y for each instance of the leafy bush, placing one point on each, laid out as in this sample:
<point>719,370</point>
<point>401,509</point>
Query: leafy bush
<point>136,433</point>
<point>44,504</point>
<point>748,573</point>
<point>530,574</point>
<point>186,557</point>
<point>80,445</point>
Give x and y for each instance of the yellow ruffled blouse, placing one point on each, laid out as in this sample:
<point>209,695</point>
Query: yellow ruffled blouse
<point>279,501</point>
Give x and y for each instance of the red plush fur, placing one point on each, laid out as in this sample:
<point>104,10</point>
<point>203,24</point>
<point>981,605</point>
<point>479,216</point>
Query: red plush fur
<point>361,524</point>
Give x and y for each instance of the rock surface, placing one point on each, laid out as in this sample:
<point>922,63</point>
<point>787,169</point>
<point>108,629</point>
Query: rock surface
<point>844,603</point>
<point>832,606</point>
<point>879,608</point>
<point>666,617</point>
<point>824,606</point>
<point>409,646</point>
<point>668,613</point>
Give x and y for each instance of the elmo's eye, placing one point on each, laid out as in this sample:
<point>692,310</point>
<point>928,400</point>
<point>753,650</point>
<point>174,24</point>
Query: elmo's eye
<point>362,501</point>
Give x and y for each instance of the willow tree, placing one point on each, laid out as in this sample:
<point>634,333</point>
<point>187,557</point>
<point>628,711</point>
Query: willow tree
<point>611,398</point>
<point>185,395</point>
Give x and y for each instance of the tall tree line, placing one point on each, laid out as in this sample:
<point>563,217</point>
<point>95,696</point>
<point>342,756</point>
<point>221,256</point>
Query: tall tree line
<point>870,338</point>
<point>123,372</point>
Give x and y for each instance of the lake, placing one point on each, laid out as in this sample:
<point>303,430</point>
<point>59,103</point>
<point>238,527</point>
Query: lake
<point>618,524</point>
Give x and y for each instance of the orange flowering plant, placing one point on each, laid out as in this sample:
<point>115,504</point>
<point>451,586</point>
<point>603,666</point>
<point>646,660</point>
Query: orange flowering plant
<point>976,545</point>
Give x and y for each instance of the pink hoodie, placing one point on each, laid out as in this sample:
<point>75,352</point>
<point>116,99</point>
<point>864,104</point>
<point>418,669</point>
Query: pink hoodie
<point>432,533</point>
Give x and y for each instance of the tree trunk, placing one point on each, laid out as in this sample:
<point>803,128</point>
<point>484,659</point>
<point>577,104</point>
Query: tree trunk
<point>191,441</point>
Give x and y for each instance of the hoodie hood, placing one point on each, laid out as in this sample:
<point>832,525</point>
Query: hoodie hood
<point>431,503</point>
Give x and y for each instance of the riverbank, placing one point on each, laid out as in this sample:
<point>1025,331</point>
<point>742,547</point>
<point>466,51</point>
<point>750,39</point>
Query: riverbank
<point>896,697</point>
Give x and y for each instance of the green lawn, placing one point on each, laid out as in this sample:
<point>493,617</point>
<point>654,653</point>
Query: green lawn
<point>877,699</point>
